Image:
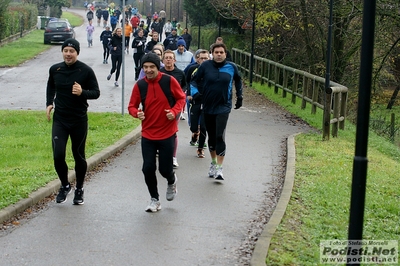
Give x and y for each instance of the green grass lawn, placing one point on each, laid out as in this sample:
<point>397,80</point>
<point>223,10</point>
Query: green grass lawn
<point>74,19</point>
<point>25,148</point>
<point>23,49</point>
<point>319,205</point>
<point>381,121</point>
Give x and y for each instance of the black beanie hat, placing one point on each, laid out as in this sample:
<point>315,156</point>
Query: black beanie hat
<point>151,57</point>
<point>71,43</point>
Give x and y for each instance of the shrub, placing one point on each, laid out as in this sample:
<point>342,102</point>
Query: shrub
<point>17,17</point>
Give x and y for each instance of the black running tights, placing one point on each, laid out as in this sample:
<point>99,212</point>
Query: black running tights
<point>216,126</point>
<point>116,65</point>
<point>60,133</point>
<point>196,115</point>
<point>106,51</point>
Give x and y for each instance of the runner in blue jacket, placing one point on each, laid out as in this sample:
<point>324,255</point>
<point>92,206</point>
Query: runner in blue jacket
<point>217,76</point>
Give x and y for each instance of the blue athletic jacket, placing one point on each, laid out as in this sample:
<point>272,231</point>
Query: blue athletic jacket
<point>114,20</point>
<point>217,86</point>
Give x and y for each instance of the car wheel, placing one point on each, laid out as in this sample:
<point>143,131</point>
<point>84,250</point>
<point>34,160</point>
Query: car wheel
<point>46,41</point>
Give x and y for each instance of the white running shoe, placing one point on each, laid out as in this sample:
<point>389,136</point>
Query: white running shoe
<point>218,174</point>
<point>175,162</point>
<point>211,172</point>
<point>172,190</point>
<point>154,205</point>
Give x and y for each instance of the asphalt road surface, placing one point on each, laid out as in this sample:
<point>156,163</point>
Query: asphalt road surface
<point>209,221</point>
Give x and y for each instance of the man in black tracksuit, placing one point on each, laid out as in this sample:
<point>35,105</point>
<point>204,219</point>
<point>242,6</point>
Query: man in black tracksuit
<point>71,83</point>
<point>105,38</point>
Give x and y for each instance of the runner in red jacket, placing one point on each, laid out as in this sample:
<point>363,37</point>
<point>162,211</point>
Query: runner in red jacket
<point>162,100</point>
<point>135,21</point>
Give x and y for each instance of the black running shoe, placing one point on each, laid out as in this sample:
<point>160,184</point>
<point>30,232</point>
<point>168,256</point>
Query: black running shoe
<point>62,193</point>
<point>195,138</point>
<point>78,199</point>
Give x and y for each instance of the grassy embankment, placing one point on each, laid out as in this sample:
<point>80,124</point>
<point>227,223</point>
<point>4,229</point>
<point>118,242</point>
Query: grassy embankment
<point>319,205</point>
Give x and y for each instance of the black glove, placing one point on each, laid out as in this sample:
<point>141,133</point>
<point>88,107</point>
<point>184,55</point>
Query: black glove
<point>239,102</point>
<point>195,97</point>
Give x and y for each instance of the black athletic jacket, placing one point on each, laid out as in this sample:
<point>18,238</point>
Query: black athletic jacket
<point>178,74</point>
<point>68,106</point>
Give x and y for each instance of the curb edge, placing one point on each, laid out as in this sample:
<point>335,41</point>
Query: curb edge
<point>53,186</point>
<point>264,240</point>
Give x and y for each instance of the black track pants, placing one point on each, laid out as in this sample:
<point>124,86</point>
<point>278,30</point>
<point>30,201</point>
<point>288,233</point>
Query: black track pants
<point>149,151</point>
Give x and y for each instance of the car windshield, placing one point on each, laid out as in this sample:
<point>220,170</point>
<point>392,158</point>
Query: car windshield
<point>57,25</point>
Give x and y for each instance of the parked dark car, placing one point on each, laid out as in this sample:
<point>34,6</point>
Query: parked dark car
<point>98,4</point>
<point>58,31</point>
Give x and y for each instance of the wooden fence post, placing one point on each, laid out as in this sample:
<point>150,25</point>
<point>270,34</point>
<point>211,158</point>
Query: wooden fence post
<point>315,90</point>
<point>277,75</point>
<point>295,87</point>
<point>305,89</point>
<point>285,83</point>
<point>336,114</point>
<point>262,74</point>
<point>343,109</point>
<point>327,114</point>
<point>269,74</point>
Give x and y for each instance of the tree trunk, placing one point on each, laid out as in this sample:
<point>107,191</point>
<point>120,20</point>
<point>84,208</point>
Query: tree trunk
<point>393,98</point>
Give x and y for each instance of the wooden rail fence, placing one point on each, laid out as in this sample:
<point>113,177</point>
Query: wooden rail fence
<point>300,84</point>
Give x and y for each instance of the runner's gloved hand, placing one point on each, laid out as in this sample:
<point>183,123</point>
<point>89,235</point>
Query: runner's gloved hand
<point>239,102</point>
<point>195,97</point>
